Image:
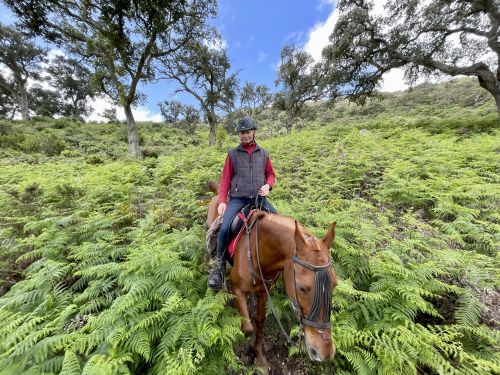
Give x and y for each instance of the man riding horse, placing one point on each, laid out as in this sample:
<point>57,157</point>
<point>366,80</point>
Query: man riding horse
<point>247,173</point>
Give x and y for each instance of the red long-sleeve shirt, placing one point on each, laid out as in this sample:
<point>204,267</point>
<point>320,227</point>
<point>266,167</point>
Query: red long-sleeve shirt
<point>228,172</point>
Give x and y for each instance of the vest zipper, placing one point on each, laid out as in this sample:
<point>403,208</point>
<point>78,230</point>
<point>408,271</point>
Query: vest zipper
<point>251,174</point>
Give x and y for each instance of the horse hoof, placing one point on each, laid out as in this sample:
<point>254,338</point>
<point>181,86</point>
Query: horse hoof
<point>262,367</point>
<point>247,328</point>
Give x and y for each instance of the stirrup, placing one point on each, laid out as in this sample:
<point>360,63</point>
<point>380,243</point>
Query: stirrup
<point>216,278</point>
<point>216,284</point>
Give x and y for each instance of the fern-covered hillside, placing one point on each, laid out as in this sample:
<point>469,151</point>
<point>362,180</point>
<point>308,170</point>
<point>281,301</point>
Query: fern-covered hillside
<point>102,257</point>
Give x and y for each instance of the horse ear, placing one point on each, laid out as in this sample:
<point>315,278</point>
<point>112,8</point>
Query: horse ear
<point>300,243</point>
<point>330,235</point>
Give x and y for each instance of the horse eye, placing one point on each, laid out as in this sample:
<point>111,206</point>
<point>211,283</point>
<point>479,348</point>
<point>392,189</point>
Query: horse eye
<point>303,290</point>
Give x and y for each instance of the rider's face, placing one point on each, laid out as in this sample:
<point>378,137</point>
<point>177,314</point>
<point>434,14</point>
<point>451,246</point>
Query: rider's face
<point>246,136</point>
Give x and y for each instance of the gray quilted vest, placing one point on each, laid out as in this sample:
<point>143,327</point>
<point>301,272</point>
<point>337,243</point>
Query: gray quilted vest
<point>249,173</point>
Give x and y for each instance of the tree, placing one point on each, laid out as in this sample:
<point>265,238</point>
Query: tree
<point>44,102</point>
<point>110,115</point>
<point>184,116</point>
<point>73,82</point>
<point>452,37</point>
<point>23,59</point>
<point>8,106</point>
<point>255,98</point>
<point>120,39</point>
<point>171,111</point>
<point>191,117</point>
<point>247,95</point>
<point>202,69</point>
<point>301,80</point>
<point>264,97</point>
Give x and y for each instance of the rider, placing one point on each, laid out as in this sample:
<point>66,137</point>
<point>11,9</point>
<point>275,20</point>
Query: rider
<point>247,172</point>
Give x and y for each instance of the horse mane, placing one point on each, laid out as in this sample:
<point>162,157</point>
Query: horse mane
<point>287,222</point>
<point>281,220</point>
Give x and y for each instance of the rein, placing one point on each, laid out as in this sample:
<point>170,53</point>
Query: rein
<point>322,286</point>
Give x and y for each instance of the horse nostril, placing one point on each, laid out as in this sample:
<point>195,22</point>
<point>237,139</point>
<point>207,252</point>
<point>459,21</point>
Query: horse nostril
<point>314,354</point>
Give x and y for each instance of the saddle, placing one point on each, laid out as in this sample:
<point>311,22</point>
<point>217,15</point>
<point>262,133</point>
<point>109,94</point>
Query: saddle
<point>236,230</point>
<point>237,226</point>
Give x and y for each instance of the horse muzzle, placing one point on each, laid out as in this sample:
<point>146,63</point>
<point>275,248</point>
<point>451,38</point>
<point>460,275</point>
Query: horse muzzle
<point>322,350</point>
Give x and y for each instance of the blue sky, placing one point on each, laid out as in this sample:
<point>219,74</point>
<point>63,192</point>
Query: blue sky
<point>254,33</point>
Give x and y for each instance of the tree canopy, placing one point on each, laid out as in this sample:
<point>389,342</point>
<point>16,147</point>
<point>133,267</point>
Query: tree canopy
<point>73,82</point>
<point>121,40</point>
<point>23,59</point>
<point>202,69</point>
<point>460,37</point>
<point>301,80</point>
<point>180,115</point>
<point>255,97</point>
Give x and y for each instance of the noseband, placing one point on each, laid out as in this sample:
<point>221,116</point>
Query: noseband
<point>322,288</point>
<point>322,294</point>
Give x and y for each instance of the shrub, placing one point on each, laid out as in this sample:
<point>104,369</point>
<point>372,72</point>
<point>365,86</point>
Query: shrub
<point>71,153</point>
<point>94,159</point>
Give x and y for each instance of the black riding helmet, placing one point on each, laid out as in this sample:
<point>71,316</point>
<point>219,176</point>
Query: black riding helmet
<point>246,123</point>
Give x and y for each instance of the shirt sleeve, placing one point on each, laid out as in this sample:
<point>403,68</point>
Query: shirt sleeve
<point>270,176</point>
<point>225,179</point>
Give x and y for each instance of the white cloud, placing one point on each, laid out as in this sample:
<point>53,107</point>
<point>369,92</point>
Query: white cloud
<point>318,36</point>
<point>216,44</point>
<point>378,7</point>
<point>102,103</point>
<point>323,3</point>
<point>393,80</point>
<point>261,56</point>
<point>295,37</point>
<point>54,52</point>
<point>319,33</point>
<point>145,114</point>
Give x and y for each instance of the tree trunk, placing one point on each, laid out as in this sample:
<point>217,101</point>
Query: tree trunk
<point>497,101</point>
<point>212,137</point>
<point>133,142</point>
<point>289,124</point>
<point>22,99</point>
<point>492,85</point>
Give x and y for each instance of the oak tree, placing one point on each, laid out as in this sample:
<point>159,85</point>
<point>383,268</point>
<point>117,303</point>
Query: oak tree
<point>201,69</point>
<point>22,60</point>
<point>73,82</point>
<point>301,80</point>
<point>122,40</point>
<point>451,37</point>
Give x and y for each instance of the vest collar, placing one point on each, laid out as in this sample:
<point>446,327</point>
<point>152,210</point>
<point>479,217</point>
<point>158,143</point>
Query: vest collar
<point>241,148</point>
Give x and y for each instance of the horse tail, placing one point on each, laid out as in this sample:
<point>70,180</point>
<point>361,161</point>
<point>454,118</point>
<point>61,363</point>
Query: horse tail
<point>213,186</point>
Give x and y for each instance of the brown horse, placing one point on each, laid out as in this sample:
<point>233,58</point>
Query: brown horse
<point>284,246</point>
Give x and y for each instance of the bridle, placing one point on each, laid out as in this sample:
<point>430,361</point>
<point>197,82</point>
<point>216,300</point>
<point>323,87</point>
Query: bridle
<point>322,288</point>
<point>322,294</point>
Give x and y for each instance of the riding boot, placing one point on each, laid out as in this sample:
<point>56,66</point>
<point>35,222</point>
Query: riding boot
<point>216,278</point>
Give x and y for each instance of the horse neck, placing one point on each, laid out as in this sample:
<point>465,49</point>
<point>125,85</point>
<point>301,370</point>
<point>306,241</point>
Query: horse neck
<point>276,245</point>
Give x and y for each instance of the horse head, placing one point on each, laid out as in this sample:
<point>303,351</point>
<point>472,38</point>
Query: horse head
<point>310,281</point>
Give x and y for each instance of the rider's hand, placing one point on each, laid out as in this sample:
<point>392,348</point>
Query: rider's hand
<point>221,208</point>
<point>264,190</point>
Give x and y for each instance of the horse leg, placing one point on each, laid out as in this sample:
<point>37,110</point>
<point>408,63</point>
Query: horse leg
<point>241,303</point>
<point>260,360</point>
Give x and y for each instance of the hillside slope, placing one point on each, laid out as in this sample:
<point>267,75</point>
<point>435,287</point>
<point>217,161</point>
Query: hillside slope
<point>102,257</point>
